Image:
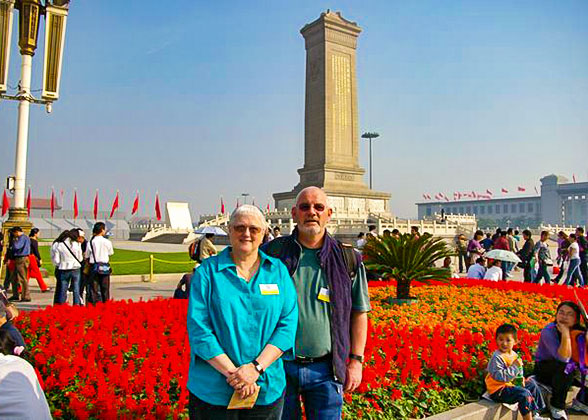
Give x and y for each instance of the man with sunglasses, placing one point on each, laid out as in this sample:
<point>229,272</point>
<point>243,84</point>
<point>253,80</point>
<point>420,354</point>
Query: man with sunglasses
<point>333,302</point>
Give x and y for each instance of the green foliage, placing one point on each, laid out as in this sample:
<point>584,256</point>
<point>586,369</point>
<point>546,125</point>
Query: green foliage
<point>406,259</point>
<point>404,402</point>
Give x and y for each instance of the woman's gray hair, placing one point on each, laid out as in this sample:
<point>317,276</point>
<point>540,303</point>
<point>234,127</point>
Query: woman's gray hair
<point>248,210</point>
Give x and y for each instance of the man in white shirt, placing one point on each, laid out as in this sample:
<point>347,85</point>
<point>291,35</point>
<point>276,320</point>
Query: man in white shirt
<point>494,273</point>
<point>98,254</point>
<point>477,271</point>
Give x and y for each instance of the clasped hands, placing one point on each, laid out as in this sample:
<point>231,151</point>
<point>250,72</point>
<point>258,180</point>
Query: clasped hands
<point>243,379</point>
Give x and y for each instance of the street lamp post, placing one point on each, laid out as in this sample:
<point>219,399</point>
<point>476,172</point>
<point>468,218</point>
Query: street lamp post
<point>370,136</point>
<point>28,27</point>
<point>245,195</point>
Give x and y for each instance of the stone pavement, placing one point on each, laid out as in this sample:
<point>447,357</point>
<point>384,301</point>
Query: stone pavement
<point>135,291</point>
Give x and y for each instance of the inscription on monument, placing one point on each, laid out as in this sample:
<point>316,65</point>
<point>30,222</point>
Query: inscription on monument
<point>341,106</point>
<point>344,177</point>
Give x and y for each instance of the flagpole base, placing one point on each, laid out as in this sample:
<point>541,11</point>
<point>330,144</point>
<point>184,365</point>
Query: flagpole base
<point>17,217</point>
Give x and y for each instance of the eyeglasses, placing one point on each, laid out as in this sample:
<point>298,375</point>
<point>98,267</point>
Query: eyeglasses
<point>253,230</point>
<point>307,206</point>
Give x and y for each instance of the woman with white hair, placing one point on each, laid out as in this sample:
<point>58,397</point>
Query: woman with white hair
<point>242,319</point>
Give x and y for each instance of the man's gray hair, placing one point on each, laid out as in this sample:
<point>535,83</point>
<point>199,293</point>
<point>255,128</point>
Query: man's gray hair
<point>248,210</point>
<point>306,189</point>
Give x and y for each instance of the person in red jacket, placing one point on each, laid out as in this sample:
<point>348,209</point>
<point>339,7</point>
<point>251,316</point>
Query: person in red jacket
<point>35,261</point>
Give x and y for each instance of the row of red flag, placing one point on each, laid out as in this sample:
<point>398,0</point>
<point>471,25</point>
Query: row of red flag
<point>487,195</point>
<point>222,205</point>
<point>53,204</point>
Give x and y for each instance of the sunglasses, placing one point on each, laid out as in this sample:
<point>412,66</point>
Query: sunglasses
<point>253,230</point>
<point>307,206</point>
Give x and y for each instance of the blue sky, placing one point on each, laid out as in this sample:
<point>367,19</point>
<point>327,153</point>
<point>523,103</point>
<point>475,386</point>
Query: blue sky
<point>198,99</point>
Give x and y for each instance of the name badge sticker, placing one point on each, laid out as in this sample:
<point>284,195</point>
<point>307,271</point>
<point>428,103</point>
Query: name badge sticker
<point>324,295</point>
<point>269,289</point>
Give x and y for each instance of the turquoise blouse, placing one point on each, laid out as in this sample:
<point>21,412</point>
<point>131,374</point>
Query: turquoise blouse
<point>228,315</point>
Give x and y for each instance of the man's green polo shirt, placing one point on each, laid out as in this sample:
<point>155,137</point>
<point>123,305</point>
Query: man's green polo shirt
<point>313,337</point>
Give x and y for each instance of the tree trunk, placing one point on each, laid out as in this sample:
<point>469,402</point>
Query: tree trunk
<point>403,289</point>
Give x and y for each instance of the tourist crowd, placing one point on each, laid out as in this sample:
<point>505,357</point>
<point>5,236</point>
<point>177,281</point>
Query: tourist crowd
<point>81,267</point>
<point>476,261</point>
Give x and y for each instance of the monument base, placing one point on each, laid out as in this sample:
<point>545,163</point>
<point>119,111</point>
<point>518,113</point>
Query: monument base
<point>358,204</point>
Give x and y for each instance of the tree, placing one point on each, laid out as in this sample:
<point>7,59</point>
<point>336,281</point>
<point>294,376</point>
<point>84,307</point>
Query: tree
<point>407,259</point>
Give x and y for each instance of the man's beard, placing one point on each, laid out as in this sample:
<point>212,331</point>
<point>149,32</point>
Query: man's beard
<point>313,229</point>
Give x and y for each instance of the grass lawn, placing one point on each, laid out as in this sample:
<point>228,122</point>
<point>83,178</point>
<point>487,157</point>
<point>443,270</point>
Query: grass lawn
<point>122,262</point>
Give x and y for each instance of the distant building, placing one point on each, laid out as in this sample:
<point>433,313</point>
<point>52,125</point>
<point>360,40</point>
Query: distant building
<point>561,203</point>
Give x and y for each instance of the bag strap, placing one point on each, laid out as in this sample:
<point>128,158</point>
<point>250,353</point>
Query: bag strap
<point>71,252</point>
<point>92,249</point>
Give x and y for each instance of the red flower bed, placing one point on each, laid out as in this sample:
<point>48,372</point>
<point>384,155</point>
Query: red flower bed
<point>119,360</point>
<point>130,360</point>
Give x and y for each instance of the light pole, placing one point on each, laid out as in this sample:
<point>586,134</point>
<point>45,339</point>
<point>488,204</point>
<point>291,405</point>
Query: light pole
<point>370,136</point>
<point>245,195</point>
<point>28,30</point>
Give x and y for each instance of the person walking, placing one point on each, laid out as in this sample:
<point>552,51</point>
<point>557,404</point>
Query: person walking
<point>574,265</point>
<point>543,258</point>
<point>461,247</point>
<point>21,249</point>
<point>526,254</point>
<point>583,245</point>
<point>98,254</point>
<point>475,250</point>
<point>35,261</point>
<point>333,302</point>
<point>563,242</point>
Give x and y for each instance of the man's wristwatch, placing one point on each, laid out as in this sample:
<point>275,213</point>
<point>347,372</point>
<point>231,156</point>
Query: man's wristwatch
<point>356,357</point>
<point>258,367</point>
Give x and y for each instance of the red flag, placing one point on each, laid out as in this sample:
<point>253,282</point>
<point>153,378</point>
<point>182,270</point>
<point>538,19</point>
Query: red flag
<point>75,205</point>
<point>5,203</point>
<point>504,191</point>
<point>574,178</point>
<point>222,206</point>
<point>157,209</point>
<point>521,189</point>
<point>52,203</point>
<point>114,206</point>
<point>268,207</point>
<point>237,205</point>
<point>29,203</point>
<point>135,204</point>
<point>96,206</point>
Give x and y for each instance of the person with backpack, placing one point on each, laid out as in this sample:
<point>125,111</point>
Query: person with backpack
<point>333,302</point>
<point>98,254</point>
<point>67,258</point>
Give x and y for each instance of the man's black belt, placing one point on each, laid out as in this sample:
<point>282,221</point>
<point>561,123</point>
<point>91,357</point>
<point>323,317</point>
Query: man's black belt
<point>307,360</point>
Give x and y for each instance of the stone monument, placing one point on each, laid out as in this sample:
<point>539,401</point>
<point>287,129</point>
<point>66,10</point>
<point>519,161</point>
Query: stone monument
<point>331,131</point>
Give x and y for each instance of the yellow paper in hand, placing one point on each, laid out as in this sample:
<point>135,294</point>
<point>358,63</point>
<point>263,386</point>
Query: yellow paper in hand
<point>237,402</point>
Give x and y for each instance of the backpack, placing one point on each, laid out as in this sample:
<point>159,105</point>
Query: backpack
<point>274,247</point>
<point>194,251</point>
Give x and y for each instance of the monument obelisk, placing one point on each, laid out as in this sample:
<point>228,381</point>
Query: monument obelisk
<point>331,131</point>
